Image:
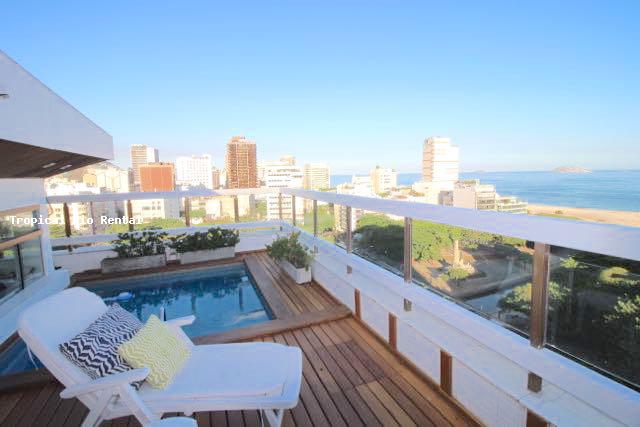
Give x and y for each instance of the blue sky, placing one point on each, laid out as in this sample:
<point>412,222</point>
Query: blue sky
<point>354,84</point>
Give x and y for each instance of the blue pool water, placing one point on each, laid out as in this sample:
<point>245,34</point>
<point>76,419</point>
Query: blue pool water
<point>221,298</point>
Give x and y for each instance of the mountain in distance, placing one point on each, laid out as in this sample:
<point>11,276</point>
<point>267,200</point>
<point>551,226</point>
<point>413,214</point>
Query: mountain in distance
<point>571,169</point>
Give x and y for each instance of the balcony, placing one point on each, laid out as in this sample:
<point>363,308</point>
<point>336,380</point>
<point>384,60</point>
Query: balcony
<point>417,314</point>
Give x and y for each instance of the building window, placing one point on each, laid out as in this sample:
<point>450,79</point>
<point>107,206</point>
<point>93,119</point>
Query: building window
<point>10,280</point>
<point>20,251</point>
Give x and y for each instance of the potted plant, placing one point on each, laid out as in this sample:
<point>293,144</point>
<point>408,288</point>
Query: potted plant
<point>215,243</point>
<point>137,250</point>
<point>292,256</point>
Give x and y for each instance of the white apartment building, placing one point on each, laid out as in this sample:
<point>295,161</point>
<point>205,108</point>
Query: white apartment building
<point>107,177</point>
<point>440,170</point>
<point>383,180</point>
<point>147,209</point>
<point>280,176</point>
<point>141,155</point>
<point>317,176</point>
<point>194,171</point>
<point>471,194</point>
<point>359,186</point>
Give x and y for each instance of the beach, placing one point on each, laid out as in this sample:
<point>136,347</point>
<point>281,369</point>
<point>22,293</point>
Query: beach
<point>628,218</point>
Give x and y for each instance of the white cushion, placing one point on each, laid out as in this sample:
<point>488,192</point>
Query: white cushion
<point>230,371</point>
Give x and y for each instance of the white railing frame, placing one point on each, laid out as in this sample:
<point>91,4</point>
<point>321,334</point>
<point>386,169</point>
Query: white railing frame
<point>606,239</point>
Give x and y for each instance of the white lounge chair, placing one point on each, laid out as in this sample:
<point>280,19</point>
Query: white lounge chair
<point>262,376</point>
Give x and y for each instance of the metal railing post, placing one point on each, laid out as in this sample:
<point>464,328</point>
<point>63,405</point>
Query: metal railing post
<point>315,218</point>
<point>67,219</point>
<point>408,245</point>
<point>293,210</point>
<point>130,214</point>
<point>93,220</point>
<point>539,295</point>
<point>187,212</point>
<point>236,209</point>
<point>349,234</point>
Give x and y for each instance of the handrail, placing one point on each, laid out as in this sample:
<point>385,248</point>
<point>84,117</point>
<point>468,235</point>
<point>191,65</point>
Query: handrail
<point>607,239</point>
<point>140,195</point>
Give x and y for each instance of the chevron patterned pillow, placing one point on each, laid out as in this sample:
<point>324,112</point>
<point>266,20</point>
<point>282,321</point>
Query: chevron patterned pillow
<point>95,350</point>
<point>158,348</point>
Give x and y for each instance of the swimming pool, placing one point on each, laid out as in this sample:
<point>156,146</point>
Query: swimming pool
<point>221,298</point>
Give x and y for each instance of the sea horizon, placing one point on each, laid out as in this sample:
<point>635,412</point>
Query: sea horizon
<point>600,189</point>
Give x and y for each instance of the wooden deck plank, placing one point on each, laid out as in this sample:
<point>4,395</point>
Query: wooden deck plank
<point>268,288</point>
<point>327,376</point>
<point>376,350</point>
<point>21,407</point>
<point>7,402</point>
<point>297,304</point>
<point>46,393</point>
<point>328,406</point>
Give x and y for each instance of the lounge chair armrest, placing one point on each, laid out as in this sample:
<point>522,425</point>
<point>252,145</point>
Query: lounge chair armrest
<point>182,321</point>
<point>104,383</point>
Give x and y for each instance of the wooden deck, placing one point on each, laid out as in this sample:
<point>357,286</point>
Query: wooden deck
<point>350,377</point>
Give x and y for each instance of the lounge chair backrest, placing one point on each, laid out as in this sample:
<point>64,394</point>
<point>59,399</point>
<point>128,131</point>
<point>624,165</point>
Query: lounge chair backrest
<point>54,320</point>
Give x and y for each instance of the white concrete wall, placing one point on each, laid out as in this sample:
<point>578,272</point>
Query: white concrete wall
<point>490,364</point>
<point>35,115</point>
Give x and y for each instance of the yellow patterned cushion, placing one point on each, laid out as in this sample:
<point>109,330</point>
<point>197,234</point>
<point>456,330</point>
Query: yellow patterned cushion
<point>156,347</point>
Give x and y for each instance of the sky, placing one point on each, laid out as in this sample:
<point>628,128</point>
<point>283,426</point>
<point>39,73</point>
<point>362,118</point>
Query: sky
<point>355,84</point>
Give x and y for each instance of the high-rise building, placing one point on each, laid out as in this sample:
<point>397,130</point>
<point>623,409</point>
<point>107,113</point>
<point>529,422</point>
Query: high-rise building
<point>440,162</point>
<point>157,177</point>
<point>240,163</point>
<point>194,171</point>
<point>383,180</point>
<point>317,176</point>
<point>281,176</point>
<point>141,155</point>
<point>215,178</point>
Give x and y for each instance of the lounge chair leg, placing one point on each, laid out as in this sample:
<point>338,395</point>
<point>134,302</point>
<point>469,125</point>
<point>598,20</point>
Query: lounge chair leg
<point>94,417</point>
<point>274,416</point>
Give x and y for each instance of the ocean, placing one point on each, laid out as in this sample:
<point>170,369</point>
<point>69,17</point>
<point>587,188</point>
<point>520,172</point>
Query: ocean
<point>613,190</point>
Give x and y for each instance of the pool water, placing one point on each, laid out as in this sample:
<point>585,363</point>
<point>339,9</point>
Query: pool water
<point>221,298</point>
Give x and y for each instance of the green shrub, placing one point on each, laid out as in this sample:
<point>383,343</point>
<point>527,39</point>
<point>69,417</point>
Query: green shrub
<point>213,238</point>
<point>144,243</point>
<point>291,250</point>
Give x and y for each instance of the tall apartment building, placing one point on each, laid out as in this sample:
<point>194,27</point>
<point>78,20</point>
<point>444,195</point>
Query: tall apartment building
<point>194,171</point>
<point>280,176</point>
<point>215,178</point>
<point>288,160</point>
<point>240,163</point>
<point>157,177</point>
<point>141,155</point>
<point>440,170</point>
<point>317,176</point>
<point>383,179</point>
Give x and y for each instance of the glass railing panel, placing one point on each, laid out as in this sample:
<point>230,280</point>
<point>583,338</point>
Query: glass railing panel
<point>488,273</point>
<point>594,311</point>
<point>335,232</point>
<point>211,211</point>
<point>158,213</point>
<point>379,238</point>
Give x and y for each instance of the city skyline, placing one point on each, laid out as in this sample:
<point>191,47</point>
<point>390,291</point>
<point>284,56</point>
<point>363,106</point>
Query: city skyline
<point>495,79</point>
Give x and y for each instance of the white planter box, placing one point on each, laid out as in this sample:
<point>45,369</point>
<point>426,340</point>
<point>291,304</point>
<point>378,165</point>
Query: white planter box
<point>207,255</point>
<point>299,275</point>
<point>114,265</point>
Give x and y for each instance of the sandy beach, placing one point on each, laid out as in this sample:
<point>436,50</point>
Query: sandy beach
<point>596,215</point>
